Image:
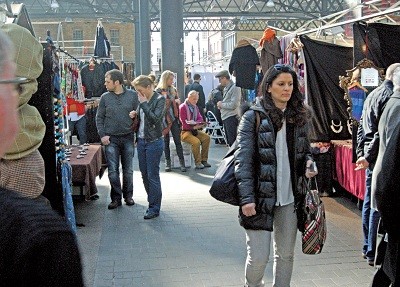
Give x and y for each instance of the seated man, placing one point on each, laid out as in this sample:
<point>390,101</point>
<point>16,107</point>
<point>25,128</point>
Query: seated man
<point>192,122</point>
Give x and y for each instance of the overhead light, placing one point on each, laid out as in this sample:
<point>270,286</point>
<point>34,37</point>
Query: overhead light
<point>270,4</point>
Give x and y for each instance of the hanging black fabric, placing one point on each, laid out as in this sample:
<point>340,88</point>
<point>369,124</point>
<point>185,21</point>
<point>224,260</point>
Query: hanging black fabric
<point>43,101</point>
<point>102,46</point>
<point>325,63</point>
<point>378,42</point>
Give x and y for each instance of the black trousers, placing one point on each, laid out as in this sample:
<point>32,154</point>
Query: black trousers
<point>389,272</point>
<point>176,135</point>
<point>230,127</point>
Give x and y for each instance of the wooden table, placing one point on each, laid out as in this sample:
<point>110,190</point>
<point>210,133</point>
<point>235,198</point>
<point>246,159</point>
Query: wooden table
<point>86,169</point>
<point>353,181</point>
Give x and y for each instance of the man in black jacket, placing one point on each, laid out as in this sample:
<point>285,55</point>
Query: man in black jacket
<point>367,151</point>
<point>37,246</point>
<point>196,86</point>
<point>385,190</point>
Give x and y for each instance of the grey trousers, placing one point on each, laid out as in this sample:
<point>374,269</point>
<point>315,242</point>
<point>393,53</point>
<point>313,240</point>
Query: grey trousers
<point>258,249</point>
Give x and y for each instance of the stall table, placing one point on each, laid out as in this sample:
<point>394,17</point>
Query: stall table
<point>86,169</point>
<point>344,173</point>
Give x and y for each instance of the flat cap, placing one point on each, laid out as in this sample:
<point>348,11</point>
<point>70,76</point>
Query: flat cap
<point>223,73</point>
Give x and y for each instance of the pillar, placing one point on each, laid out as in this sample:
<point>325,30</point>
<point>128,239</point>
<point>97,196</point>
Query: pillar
<point>172,52</point>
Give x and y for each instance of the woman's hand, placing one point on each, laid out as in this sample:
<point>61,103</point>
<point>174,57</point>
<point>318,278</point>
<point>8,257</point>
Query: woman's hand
<point>310,172</point>
<point>132,114</point>
<point>142,98</point>
<point>249,209</point>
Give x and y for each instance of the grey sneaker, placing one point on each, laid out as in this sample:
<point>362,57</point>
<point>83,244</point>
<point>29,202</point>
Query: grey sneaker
<point>199,166</point>
<point>206,164</point>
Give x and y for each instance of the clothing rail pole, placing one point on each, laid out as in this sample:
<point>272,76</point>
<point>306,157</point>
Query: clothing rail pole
<point>389,11</point>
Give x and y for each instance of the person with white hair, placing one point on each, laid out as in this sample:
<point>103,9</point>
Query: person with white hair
<point>37,246</point>
<point>385,188</point>
<point>367,151</point>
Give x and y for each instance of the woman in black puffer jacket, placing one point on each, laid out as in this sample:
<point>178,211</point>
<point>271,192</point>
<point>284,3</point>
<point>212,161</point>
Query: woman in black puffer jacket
<point>268,164</point>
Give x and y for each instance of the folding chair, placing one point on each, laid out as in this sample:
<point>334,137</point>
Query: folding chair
<point>213,128</point>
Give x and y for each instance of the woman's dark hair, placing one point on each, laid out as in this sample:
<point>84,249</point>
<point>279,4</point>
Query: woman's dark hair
<point>296,112</point>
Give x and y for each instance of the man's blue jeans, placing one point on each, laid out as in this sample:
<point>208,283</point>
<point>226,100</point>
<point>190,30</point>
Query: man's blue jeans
<point>80,126</point>
<point>370,220</point>
<point>149,155</point>
<point>121,147</point>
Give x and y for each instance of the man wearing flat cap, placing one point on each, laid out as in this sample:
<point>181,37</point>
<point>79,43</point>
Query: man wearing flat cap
<point>229,106</point>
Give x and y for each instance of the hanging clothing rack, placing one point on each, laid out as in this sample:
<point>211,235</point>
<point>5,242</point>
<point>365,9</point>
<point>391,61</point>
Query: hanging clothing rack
<point>382,13</point>
<point>68,54</point>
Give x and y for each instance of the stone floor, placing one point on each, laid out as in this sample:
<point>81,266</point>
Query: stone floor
<point>197,240</point>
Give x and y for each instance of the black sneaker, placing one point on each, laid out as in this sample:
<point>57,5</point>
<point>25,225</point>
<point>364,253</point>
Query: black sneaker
<point>150,215</point>
<point>129,202</point>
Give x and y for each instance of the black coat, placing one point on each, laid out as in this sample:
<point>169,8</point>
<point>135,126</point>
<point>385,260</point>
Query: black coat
<point>367,134</point>
<point>37,246</point>
<point>243,65</point>
<point>255,167</point>
<point>386,184</point>
<point>385,179</point>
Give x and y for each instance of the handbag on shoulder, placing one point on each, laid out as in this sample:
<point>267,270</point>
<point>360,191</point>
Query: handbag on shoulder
<point>224,185</point>
<point>314,234</point>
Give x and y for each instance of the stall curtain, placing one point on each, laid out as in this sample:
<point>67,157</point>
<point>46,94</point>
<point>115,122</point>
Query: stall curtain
<point>325,63</point>
<point>377,42</point>
<point>43,101</point>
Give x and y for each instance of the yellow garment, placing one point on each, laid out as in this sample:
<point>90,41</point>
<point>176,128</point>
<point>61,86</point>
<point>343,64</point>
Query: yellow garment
<point>29,56</point>
<point>200,144</point>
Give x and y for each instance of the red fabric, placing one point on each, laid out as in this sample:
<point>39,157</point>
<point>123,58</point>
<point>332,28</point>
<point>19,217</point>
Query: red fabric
<point>353,181</point>
<point>75,106</point>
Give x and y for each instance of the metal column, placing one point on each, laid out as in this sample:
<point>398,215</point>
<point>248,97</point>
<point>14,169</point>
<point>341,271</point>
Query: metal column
<point>138,62</point>
<point>172,57</point>
<point>144,26</point>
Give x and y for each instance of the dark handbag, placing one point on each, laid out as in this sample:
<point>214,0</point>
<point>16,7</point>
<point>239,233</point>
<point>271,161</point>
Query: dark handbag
<point>135,124</point>
<point>314,234</point>
<point>224,185</point>
<point>194,132</point>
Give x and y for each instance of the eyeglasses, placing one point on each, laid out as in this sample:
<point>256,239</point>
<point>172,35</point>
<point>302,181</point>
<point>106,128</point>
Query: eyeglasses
<point>283,68</point>
<point>17,80</point>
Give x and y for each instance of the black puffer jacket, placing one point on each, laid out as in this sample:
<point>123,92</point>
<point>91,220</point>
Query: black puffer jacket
<point>154,111</point>
<point>255,167</point>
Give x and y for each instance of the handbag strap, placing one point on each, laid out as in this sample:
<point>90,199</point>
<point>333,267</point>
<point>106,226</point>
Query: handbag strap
<point>309,182</point>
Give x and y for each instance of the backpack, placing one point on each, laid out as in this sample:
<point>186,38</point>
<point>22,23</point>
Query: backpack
<point>224,185</point>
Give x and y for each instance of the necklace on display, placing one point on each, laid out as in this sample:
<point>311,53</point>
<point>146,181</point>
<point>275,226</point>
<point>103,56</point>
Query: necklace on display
<point>336,128</point>
<point>349,126</point>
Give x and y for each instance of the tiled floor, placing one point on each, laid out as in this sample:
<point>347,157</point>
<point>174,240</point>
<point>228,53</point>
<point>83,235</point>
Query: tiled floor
<point>197,241</point>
